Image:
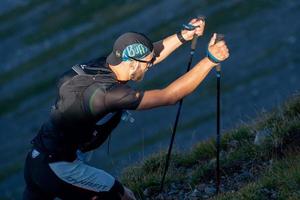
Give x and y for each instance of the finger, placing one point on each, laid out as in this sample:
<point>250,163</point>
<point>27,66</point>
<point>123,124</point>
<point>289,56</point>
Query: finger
<point>199,30</point>
<point>201,17</point>
<point>213,39</point>
<point>224,48</point>
<point>220,43</point>
<point>193,20</point>
<point>198,23</point>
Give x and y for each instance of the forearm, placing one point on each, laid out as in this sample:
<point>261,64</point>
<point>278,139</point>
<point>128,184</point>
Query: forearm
<point>188,82</point>
<point>165,47</point>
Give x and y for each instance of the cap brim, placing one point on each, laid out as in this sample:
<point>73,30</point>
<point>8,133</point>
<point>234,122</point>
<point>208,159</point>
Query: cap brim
<point>112,59</point>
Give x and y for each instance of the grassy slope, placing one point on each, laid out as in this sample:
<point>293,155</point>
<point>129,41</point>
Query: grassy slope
<point>99,12</point>
<point>197,166</point>
<point>49,28</point>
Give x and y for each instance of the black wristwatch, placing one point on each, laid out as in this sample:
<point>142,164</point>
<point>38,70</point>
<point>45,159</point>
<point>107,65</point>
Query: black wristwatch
<point>180,37</point>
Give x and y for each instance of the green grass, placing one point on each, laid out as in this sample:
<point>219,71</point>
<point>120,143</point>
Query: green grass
<point>283,179</point>
<point>70,15</point>
<point>198,165</point>
<point>20,10</point>
<point>239,11</point>
<point>135,177</point>
<point>12,15</point>
<point>10,170</point>
<point>256,75</point>
<point>13,102</point>
<point>126,11</point>
<point>95,11</point>
<point>236,12</point>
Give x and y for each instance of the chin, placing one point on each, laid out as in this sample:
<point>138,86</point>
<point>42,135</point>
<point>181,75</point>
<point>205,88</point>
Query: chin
<point>139,78</point>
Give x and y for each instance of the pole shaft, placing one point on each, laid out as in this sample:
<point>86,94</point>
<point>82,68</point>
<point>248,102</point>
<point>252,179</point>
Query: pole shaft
<point>218,126</point>
<point>170,146</point>
<point>193,47</point>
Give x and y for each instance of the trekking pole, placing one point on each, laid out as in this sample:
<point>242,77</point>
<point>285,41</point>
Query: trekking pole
<point>218,70</point>
<point>192,51</point>
<point>218,73</point>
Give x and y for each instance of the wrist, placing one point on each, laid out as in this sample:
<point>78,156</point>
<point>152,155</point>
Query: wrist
<point>212,58</point>
<point>185,35</point>
<point>181,38</point>
<point>209,62</point>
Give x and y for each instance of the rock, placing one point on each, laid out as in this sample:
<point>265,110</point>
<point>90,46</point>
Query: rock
<point>223,154</point>
<point>160,197</point>
<point>181,195</point>
<point>196,193</point>
<point>185,187</point>
<point>147,192</point>
<point>201,187</point>
<point>233,144</point>
<point>212,162</point>
<point>209,190</point>
<point>244,176</point>
<point>173,192</point>
<point>261,136</point>
<point>274,195</point>
<point>173,186</point>
<point>150,191</point>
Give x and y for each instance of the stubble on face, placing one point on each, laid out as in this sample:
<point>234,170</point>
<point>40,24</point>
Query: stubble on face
<point>138,75</point>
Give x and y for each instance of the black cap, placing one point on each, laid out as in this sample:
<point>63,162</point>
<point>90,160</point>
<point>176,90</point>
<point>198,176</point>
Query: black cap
<point>131,44</point>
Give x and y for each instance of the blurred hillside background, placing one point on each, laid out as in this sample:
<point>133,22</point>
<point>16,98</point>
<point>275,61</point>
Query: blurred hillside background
<point>40,39</point>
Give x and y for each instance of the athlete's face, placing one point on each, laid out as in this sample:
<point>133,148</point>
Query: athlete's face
<point>141,67</point>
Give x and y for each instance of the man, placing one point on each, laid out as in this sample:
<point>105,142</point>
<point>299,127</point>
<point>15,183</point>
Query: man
<point>91,99</point>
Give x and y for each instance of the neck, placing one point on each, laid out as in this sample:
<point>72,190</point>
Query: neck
<point>120,72</point>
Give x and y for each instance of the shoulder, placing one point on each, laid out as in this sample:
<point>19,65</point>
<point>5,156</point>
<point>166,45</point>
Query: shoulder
<point>123,96</point>
<point>121,90</point>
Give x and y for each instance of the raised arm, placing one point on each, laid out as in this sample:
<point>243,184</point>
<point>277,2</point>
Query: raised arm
<point>188,82</point>
<point>165,47</point>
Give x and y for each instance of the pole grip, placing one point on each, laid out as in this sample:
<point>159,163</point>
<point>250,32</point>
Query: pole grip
<point>194,42</point>
<point>195,38</point>
<point>220,37</point>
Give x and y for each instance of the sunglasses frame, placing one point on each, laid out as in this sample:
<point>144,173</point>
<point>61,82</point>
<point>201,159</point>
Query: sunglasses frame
<point>149,63</point>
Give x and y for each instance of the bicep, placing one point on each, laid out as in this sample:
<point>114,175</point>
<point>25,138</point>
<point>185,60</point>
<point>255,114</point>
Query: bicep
<point>153,99</point>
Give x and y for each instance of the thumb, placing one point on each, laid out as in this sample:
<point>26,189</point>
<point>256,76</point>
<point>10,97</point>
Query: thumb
<point>212,40</point>
<point>193,21</point>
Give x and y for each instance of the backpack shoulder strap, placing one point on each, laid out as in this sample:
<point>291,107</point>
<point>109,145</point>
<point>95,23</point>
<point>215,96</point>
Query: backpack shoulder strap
<point>79,70</point>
